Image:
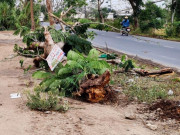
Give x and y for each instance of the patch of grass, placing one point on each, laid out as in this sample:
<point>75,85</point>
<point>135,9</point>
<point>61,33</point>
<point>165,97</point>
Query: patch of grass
<point>147,89</point>
<point>46,101</point>
<point>146,94</point>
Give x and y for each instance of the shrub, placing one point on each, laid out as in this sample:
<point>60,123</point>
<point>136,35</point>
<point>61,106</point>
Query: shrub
<point>84,20</point>
<point>45,101</point>
<point>173,30</point>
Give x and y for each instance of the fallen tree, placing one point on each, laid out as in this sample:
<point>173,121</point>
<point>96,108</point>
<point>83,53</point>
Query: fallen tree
<point>47,47</point>
<point>84,76</point>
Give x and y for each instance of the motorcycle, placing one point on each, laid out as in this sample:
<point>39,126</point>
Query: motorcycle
<point>125,31</point>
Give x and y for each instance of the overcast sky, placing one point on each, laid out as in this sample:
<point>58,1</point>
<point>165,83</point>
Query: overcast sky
<point>123,4</point>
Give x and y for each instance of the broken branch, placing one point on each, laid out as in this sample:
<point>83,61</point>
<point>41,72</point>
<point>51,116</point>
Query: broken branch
<point>158,72</point>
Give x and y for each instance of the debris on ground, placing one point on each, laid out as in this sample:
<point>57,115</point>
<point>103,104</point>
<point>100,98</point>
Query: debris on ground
<point>170,92</point>
<point>166,109</point>
<point>143,72</point>
<point>151,126</point>
<point>108,56</point>
<point>130,115</point>
<point>95,87</point>
<point>15,95</point>
<point>114,61</point>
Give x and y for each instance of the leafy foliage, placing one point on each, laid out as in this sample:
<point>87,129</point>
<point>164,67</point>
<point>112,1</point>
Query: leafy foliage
<point>76,43</point>
<point>7,16</point>
<point>151,17</point>
<point>67,78</point>
<point>23,15</point>
<point>173,30</point>
<point>126,64</point>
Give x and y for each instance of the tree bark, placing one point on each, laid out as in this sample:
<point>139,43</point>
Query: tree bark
<point>133,5</point>
<point>173,10</point>
<point>49,8</point>
<point>136,22</point>
<point>101,18</point>
<point>32,16</point>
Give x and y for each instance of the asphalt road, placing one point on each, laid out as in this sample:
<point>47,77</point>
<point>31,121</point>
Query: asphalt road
<point>160,51</point>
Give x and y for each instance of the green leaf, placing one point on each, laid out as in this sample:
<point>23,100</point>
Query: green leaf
<point>41,75</point>
<point>93,54</point>
<point>97,65</point>
<point>64,71</point>
<point>103,70</point>
<point>123,58</point>
<point>72,55</point>
<point>74,64</point>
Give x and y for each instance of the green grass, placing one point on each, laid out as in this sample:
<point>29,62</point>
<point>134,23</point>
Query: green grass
<point>147,89</point>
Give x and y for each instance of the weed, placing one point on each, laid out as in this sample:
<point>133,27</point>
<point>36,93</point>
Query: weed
<point>21,63</point>
<point>45,101</point>
<point>126,64</point>
<point>27,69</point>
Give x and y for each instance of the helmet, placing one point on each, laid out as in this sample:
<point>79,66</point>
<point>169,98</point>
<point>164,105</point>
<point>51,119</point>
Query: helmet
<point>126,17</point>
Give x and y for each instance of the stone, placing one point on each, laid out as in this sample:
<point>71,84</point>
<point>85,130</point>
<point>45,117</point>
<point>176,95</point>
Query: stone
<point>151,126</point>
<point>130,116</point>
<point>47,112</point>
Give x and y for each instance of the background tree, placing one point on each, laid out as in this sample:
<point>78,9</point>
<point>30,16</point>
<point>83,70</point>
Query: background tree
<point>49,8</point>
<point>136,6</point>
<point>177,11</point>
<point>32,16</point>
<point>98,8</point>
<point>151,17</point>
<point>173,10</point>
<point>7,16</point>
<point>100,2</point>
<point>11,3</point>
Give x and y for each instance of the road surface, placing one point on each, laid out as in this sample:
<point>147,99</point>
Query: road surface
<point>158,50</point>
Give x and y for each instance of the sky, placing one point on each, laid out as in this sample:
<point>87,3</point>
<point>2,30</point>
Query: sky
<point>124,4</point>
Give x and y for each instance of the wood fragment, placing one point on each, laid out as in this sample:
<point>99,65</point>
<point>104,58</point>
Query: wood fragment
<point>158,72</point>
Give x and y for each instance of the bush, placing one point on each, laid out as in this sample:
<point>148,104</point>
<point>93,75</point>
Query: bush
<point>173,30</point>
<point>84,20</point>
<point>45,101</point>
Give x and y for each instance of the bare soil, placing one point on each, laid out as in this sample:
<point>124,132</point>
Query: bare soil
<point>82,118</point>
<point>167,109</point>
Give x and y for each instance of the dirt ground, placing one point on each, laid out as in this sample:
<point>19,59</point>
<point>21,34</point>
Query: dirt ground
<point>82,118</point>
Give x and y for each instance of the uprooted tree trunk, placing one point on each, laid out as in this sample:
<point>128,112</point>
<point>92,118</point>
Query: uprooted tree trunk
<point>95,88</point>
<point>47,46</point>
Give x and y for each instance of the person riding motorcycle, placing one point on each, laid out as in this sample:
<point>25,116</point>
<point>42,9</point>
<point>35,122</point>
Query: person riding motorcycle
<point>125,26</point>
<point>125,23</point>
